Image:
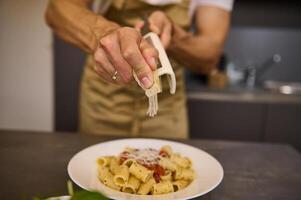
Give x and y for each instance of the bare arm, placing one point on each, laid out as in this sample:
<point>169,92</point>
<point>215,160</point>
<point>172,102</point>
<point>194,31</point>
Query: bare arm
<point>201,52</point>
<point>116,50</point>
<point>76,24</point>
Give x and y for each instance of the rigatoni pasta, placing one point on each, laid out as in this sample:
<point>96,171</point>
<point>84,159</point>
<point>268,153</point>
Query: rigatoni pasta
<point>122,175</point>
<point>180,184</point>
<point>184,174</point>
<point>141,172</point>
<point>105,160</point>
<point>108,181</point>
<point>114,164</point>
<point>146,171</point>
<point>162,188</point>
<point>167,176</point>
<point>146,187</point>
<point>132,185</point>
<point>180,161</point>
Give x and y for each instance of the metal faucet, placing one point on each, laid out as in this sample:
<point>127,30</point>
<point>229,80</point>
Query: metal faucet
<point>254,72</point>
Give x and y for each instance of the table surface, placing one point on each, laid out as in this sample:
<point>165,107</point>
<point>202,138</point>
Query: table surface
<point>35,164</point>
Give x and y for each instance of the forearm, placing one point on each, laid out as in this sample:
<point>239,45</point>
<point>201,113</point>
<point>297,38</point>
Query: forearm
<point>198,53</point>
<point>201,52</point>
<point>76,24</point>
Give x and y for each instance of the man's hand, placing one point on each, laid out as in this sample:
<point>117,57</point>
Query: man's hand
<point>124,50</point>
<point>159,24</point>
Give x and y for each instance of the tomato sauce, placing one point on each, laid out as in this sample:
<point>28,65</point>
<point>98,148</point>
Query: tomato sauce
<point>148,158</point>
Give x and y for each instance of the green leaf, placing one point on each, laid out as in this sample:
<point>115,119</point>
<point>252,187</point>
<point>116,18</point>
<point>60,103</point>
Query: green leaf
<point>70,188</point>
<point>87,195</point>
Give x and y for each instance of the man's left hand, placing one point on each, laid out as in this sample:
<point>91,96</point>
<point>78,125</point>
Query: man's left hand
<point>160,24</point>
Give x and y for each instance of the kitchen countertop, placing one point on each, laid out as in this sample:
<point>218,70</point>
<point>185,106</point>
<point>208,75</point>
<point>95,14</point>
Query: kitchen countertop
<point>197,90</point>
<point>35,164</point>
<point>241,95</point>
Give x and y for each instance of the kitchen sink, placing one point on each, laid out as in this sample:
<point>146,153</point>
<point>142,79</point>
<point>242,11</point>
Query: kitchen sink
<point>283,87</point>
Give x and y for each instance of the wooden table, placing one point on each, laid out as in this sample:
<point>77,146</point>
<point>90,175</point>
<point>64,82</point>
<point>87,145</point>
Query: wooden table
<point>34,164</point>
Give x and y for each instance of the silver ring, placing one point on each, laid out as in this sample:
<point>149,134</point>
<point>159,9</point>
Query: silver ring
<point>114,77</point>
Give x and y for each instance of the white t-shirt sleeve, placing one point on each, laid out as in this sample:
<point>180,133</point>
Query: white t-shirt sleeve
<point>224,4</point>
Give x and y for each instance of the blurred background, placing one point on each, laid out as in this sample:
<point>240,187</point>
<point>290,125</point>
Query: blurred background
<point>254,96</point>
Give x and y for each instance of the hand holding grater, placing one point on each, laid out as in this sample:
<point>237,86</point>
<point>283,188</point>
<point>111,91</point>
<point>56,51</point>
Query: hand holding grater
<point>165,68</point>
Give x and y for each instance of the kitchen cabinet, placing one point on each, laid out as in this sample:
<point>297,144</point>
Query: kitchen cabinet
<point>283,124</point>
<point>245,120</point>
<point>226,120</point>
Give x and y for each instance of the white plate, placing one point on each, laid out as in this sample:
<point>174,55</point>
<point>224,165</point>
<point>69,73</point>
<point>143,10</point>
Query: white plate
<point>82,169</point>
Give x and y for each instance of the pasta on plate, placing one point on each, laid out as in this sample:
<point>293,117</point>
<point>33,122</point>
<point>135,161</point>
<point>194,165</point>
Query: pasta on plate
<point>146,171</point>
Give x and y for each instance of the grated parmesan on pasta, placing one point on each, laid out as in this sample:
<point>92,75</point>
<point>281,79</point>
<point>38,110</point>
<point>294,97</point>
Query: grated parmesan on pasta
<point>146,171</point>
<point>147,156</point>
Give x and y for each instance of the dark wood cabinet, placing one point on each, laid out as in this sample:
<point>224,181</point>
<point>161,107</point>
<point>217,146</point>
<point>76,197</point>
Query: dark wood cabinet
<point>226,120</point>
<point>245,121</point>
<point>283,124</point>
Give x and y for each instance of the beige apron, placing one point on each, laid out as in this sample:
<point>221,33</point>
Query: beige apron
<point>107,109</point>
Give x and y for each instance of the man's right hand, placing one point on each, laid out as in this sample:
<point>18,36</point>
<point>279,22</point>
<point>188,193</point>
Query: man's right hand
<point>124,50</point>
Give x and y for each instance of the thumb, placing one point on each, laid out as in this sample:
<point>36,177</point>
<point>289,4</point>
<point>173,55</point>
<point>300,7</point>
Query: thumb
<point>144,75</point>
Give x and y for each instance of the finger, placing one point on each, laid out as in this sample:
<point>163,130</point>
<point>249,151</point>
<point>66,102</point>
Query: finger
<point>100,71</point>
<point>156,28</point>
<point>111,46</point>
<point>131,52</point>
<point>102,60</point>
<point>166,35</point>
<point>139,25</point>
<point>150,54</point>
